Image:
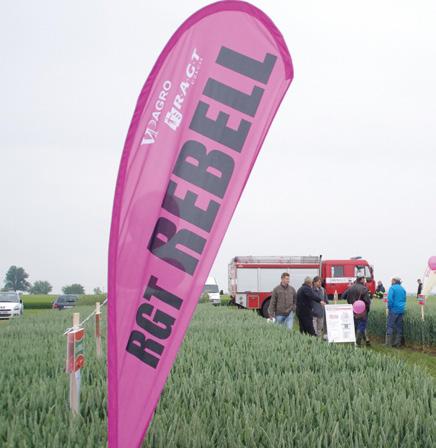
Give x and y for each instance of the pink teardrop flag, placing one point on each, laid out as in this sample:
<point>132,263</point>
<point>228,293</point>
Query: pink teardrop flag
<point>198,126</point>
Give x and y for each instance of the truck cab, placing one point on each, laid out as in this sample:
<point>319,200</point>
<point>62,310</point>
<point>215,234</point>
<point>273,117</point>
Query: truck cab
<point>340,274</point>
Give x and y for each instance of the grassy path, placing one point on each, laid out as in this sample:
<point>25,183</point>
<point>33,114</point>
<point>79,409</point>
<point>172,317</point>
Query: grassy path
<point>421,359</point>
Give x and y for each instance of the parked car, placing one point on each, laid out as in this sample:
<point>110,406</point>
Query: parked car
<point>65,301</point>
<point>11,305</point>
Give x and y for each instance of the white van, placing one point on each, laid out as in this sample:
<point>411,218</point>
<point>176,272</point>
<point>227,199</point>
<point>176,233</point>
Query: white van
<point>11,305</point>
<point>211,288</point>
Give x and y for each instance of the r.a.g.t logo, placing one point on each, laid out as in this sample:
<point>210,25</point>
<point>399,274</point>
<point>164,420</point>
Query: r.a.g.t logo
<point>174,116</point>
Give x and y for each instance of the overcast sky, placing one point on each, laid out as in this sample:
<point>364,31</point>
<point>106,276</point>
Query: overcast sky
<point>348,167</point>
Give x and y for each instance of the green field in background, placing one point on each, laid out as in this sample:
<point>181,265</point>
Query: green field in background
<point>238,381</point>
<point>45,301</point>
<point>416,331</point>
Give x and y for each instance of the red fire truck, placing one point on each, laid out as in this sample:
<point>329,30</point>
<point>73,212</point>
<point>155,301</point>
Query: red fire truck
<point>251,279</point>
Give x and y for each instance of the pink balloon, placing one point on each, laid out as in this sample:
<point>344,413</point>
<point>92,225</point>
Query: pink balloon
<point>359,307</point>
<point>432,263</point>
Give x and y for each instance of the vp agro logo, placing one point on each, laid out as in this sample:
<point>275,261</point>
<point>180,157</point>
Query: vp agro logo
<point>174,115</point>
<point>151,132</point>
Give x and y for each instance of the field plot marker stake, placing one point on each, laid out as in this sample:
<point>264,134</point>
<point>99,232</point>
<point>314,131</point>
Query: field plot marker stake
<point>74,399</point>
<point>385,300</point>
<point>75,361</point>
<point>421,301</point>
<point>75,353</point>
<point>97,330</point>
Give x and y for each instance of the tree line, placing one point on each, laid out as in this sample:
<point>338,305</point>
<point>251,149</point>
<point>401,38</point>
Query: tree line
<point>16,280</point>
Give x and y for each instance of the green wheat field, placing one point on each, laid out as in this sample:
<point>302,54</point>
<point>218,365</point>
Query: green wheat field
<point>238,381</point>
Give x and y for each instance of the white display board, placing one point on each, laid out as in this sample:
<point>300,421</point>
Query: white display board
<point>340,323</point>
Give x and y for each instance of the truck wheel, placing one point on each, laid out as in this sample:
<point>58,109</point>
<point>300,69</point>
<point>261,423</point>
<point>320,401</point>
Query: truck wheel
<point>264,309</point>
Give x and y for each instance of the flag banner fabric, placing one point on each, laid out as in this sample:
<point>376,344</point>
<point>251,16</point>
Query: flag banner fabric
<point>198,126</point>
<point>429,281</point>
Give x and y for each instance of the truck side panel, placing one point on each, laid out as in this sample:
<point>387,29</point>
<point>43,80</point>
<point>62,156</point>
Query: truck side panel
<point>263,281</point>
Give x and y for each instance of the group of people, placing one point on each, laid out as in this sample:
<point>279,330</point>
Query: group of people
<point>308,305</point>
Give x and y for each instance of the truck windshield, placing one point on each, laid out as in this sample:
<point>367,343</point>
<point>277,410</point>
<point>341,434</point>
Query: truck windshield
<point>210,288</point>
<point>365,271</point>
<point>9,297</point>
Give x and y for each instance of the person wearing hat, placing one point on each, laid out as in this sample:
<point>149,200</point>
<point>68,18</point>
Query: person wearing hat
<point>396,307</point>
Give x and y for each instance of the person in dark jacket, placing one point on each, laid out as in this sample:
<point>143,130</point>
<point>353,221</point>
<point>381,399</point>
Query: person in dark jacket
<point>419,287</point>
<point>358,291</point>
<point>318,309</point>
<point>305,298</point>
<point>380,290</point>
<point>283,302</point>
